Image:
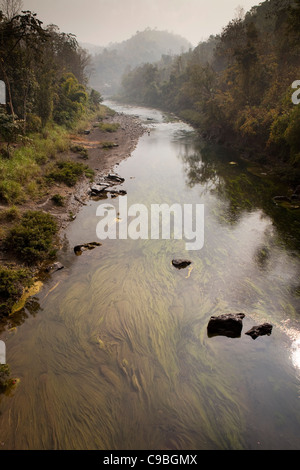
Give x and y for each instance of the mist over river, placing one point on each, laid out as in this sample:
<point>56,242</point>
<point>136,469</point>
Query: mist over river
<point>113,352</point>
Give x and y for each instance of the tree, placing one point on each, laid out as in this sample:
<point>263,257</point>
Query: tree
<point>11,8</point>
<point>9,129</point>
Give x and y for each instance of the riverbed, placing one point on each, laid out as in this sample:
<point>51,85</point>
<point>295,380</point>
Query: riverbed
<point>113,352</point>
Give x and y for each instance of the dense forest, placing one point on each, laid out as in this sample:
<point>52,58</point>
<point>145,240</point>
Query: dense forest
<point>144,47</point>
<point>44,72</point>
<point>236,87</point>
<point>47,93</point>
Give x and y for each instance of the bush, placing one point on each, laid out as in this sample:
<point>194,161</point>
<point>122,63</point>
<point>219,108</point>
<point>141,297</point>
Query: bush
<point>32,238</point>
<point>9,215</point>
<point>82,151</point>
<point>11,192</point>
<point>108,145</point>
<point>58,200</point>
<point>68,172</point>
<point>4,377</point>
<point>106,127</point>
<point>33,123</point>
<point>12,283</point>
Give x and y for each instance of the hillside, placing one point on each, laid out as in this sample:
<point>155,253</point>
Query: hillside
<point>236,88</point>
<point>144,47</point>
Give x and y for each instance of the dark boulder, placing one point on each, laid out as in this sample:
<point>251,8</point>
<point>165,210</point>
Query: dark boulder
<point>181,263</point>
<point>260,330</point>
<point>115,192</point>
<point>98,188</point>
<point>228,324</point>
<point>113,177</point>
<point>54,267</point>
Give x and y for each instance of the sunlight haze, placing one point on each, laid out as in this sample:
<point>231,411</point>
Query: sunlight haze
<point>101,22</point>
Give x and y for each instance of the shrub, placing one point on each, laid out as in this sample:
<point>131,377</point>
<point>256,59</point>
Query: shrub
<point>106,127</point>
<point>11,192</point>
<point>12,283</point>
<point>4,377</point>
<point>68,172</point>
<point>32,238</point>
<point>58,200</point>
<point>82,151</point>
<point>9,215</point>
<point>33,123</point>
<point>108,145</point>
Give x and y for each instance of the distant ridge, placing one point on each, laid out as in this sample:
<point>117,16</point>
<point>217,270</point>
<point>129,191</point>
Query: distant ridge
<point>147,46</point>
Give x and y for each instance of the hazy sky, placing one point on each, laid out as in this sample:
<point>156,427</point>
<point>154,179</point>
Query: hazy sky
<point>103,21</point>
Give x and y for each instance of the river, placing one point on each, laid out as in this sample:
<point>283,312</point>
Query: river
<point>113,352</point>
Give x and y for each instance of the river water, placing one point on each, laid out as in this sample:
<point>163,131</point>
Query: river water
<point>113,352</point>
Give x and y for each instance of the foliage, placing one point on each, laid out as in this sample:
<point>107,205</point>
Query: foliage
<point>12,283</point>
<point>28,163</point>
<point>68,172</point>
<point>235,86</point>
<point>44,71</point>
<point>106,127</point>
<point>70,101</point>
<point>32,238</point>
<point>58,200</point>
<point>4,377</point>
<point>9,129</point>
<point>10,214</point>
<point>82,151</point>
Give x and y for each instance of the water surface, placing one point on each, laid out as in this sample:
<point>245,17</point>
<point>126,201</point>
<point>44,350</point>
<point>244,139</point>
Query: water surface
<point>113,353</point>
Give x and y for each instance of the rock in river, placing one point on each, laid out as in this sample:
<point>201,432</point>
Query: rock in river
<point>87,246</point>
<point>54,267</point>
<point>181,263</point>
<point>260,330</point>
<point>98,188</point>
<point>117,178</point>
<point>228,324</point>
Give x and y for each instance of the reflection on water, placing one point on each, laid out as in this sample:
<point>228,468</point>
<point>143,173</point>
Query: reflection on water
<point>114,353</point>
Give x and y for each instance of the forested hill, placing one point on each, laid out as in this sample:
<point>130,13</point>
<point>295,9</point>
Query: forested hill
<point>144,47</point>
<point>236,87</point>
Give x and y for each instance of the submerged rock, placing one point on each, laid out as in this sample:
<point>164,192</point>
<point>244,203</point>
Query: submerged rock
<point>117,192</point>
<point>181,263</point>
<point>260,330</point>
<point>228,324</point>
<point>54,267</point>
<point>78,249</point>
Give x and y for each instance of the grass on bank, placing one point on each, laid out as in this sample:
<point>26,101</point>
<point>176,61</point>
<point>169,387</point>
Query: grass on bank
<point>26,173</point>
<point>107,127</point>
<point>22,175</point>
